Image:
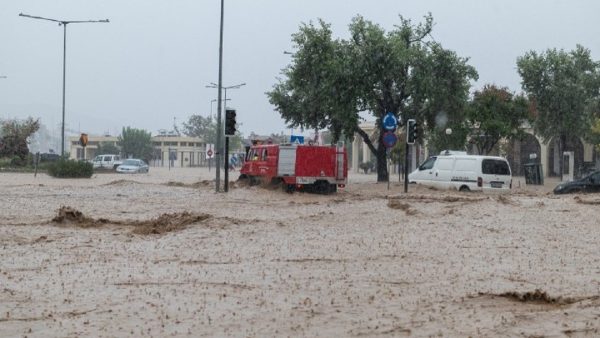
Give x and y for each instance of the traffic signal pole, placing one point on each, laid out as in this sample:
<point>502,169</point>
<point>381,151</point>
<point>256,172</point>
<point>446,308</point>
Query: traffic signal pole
<point>229,131</point>
<point>406,168</point>
<point>411,136</point>
<point>226,177</point>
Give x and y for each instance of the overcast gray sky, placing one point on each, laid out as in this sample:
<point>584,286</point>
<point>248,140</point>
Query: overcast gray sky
<point>151,63</point>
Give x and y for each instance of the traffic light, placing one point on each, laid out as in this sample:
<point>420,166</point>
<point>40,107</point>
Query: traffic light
<point>230,122</point>
<point>412,132</point>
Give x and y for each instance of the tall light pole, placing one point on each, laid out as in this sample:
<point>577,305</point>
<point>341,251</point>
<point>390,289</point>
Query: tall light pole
<point>64,23</point>
<point>219,107</point>
<point>222,150</point>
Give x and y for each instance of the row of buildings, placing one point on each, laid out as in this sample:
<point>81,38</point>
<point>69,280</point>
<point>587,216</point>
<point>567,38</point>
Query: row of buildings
<point>579,155</point>
<point>180,151</point>
<point>184,151</point>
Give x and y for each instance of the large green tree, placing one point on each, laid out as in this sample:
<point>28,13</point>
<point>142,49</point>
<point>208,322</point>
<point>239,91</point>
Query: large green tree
<point>136,143</point>
<point>331,81</point>
<point>495,113</point>
<point>14,135</point>
<point>564,88</point>
<point>206,129</point>
<point>107,148</point>
<point>200,126</point>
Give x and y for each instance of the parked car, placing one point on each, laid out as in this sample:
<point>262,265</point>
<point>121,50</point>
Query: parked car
<point>590,183</point>
<point>107,161</point>
<point>133,165</point>
<point>457,170</point>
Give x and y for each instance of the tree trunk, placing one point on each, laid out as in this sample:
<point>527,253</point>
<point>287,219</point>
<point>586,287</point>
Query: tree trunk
<point>561,159</point>
<point>379,152</point>
<point>382,170</point>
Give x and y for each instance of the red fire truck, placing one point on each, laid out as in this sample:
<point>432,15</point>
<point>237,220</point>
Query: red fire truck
<point>315,168</point>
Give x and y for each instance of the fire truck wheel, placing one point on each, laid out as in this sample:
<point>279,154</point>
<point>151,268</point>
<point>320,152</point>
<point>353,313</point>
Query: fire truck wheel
<point>322,187</point>
<point>332,188</point>
<point>289,188</point>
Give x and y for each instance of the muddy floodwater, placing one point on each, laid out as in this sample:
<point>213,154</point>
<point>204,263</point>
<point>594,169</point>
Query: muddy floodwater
<point>162,254</point>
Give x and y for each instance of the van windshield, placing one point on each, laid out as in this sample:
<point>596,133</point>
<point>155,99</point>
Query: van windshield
<point>427,164</point>
<point>495,167</point>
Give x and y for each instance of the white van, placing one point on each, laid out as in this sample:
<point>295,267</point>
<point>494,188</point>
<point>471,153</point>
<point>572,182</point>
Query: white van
<point>107,162</point>
<point>463,172</point>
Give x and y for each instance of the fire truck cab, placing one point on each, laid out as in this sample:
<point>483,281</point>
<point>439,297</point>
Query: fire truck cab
<point>316,168</point>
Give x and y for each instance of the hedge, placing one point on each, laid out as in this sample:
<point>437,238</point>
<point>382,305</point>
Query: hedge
<point>70,169</point>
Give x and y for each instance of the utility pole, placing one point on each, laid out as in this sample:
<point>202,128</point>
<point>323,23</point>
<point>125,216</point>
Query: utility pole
<point>64,23</point>
<point>219,106</point>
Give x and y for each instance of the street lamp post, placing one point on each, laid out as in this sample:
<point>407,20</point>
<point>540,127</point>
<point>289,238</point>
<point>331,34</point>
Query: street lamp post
<point>219,133</point>
<point>237,86</point>
<point>64,23</point>
<point>211,106</point>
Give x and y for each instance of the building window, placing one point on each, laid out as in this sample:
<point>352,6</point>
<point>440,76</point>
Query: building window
<point>157,144</point>
<point>183,144</point>
<point>79,153</point>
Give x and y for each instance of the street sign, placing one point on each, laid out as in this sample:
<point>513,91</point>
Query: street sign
<point>389,139</point>
<point>209,151</point>
<point>297,139</point>
<point>390,122</point>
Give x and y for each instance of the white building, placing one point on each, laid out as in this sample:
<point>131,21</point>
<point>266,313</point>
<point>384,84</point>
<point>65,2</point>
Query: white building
<point>184,151</point>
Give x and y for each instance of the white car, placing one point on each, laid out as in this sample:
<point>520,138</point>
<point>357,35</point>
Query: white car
<point>132,165</point>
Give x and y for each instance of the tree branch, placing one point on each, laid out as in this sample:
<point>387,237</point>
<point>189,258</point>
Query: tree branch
<point>366,139</point>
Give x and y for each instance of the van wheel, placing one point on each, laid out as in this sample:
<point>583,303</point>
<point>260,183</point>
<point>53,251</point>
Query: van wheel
<point>464,188</point>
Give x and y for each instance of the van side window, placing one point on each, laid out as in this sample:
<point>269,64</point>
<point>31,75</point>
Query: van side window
<point>494,167</point>
<point>427,164</point>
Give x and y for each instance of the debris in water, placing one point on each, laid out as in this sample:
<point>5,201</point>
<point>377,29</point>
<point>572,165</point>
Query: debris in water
<point>160,225</point>
<point>536,297</point>
<point>397,204</point>
<point>167,223</point>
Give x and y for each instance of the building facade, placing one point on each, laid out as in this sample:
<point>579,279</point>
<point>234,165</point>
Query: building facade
<point>579,156</point>
<point>169,149</point>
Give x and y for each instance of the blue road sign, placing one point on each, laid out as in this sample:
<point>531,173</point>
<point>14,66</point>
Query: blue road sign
<point>389,139</point>
<point>390,122</point>
<point>297,139</point>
